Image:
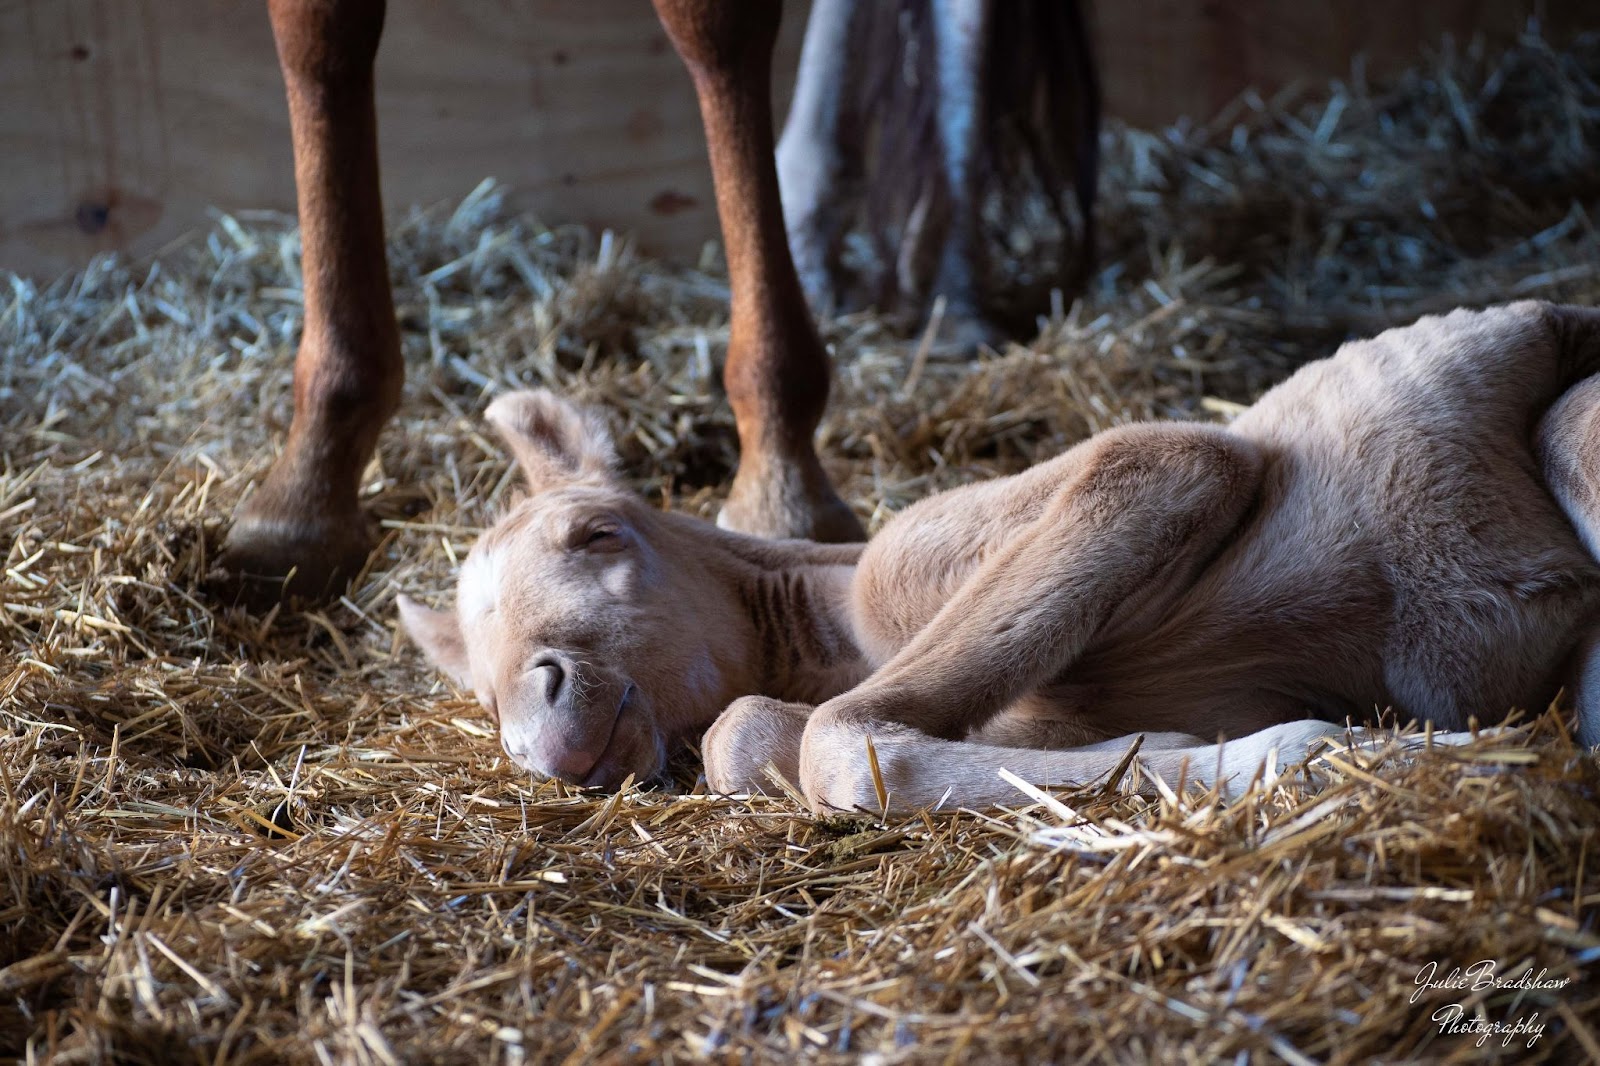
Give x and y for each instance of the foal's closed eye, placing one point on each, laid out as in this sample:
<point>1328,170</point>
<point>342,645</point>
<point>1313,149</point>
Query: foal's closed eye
<point>601,535</point>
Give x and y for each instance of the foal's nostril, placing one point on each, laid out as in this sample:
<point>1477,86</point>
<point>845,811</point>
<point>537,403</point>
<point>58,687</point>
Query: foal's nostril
<point>553,675</point>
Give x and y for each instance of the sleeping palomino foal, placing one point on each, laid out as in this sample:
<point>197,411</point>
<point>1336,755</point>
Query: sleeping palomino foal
<point>1410,524</point>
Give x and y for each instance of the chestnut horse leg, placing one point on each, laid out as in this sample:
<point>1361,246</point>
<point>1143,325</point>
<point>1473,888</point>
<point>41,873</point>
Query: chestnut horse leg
<point>777,371</point>
<point>304,519</point>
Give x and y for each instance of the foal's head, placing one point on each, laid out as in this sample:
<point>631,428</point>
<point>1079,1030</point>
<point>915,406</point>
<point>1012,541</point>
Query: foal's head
<point>587,622</point>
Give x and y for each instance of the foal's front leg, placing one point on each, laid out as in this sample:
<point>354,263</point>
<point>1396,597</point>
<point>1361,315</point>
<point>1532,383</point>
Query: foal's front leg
<point>758,736</point>
<point>1135,520</point>
<point>919,771</point>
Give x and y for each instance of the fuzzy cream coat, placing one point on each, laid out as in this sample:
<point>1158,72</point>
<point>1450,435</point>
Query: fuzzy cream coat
<point>1412,524</point>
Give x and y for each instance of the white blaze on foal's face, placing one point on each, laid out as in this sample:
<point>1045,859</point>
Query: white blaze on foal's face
<point>569,620</point>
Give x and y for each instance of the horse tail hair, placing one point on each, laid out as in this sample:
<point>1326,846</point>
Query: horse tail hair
<point>1040,116</point>
<point>1043,109</point>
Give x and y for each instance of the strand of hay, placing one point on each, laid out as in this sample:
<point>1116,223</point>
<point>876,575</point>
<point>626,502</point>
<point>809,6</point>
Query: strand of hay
<point>234,837</point>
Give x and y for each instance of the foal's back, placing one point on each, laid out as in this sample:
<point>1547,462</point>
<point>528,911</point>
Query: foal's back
<point>1403,549</point>
<point>1403,493</point>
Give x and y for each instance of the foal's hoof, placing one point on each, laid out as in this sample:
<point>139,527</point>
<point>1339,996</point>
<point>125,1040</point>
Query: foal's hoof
<point>847,764</point>
<point>272,558</point>
<point>753,734</point>
<point>783,507</point>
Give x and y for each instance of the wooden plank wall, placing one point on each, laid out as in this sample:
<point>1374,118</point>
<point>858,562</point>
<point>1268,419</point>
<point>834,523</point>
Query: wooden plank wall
<point>123,121</point>
<point>1167,58</point>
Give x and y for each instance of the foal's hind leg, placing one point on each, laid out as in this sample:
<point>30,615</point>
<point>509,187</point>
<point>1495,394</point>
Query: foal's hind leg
<point>777,370</point>
<point>347,376</point>
<point>1567,444</point>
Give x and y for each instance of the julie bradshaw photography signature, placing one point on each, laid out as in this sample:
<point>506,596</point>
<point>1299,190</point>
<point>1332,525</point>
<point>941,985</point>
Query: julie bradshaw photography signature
<point>1454,1018</point>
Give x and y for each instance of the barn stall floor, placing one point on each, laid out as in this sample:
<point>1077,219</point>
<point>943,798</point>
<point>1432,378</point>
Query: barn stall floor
<point>241,837</point>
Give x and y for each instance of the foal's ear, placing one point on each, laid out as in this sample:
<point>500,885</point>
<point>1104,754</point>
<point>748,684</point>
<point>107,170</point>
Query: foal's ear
<point>555,442</point>
<point>438,634</point>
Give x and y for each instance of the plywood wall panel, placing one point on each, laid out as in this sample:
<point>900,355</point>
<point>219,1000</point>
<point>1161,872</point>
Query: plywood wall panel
<point>1163,59</point>
<point>123,121</point>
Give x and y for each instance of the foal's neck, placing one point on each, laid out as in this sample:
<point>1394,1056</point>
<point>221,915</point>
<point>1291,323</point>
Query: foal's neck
<point>792,600</point>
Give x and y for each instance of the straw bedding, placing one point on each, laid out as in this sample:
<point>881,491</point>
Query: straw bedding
<point>243,837</point>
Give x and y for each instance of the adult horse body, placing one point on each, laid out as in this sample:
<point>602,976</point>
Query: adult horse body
<point>303,529</point>
<point>303,532</point>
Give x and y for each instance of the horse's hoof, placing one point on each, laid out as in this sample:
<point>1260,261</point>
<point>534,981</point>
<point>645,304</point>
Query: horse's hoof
<point>273,556</point>
<point>789,505</point>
